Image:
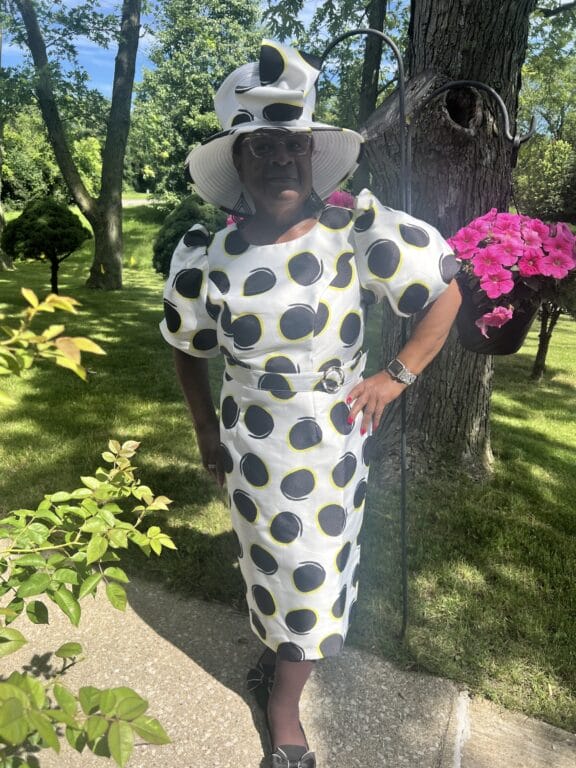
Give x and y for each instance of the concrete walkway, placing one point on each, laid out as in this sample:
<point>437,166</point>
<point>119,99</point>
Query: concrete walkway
<point>189,659</point>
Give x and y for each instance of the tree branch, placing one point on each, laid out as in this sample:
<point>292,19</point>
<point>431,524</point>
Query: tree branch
<point>549,12</point>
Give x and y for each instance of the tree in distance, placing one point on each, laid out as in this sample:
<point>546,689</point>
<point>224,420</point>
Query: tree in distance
<point>45,229</point>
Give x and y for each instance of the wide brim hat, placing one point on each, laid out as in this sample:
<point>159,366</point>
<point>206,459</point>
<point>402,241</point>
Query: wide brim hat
<point>277,93</point>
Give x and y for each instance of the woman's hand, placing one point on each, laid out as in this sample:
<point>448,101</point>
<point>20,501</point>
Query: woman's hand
<point>370,397</point>
<point>209,445</point>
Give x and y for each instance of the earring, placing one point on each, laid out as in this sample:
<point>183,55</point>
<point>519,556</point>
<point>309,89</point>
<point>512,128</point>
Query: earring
<point>241,209</point>
<point>315,202</point>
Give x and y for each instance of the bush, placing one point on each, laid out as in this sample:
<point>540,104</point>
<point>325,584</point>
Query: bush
<point>546,179</point>
<point>190,211</point>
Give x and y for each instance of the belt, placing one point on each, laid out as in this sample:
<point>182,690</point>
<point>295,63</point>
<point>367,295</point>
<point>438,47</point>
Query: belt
<point>331,380</point>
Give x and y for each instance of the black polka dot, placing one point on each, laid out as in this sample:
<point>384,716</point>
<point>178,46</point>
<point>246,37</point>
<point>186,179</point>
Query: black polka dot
<point>226,458</point>
<point>367,450</point>
<point>414,235</point>
<point>301,621</point>
<point>331,645</point>
<point>344,470</point>
<point>188,283</point>
<point>297,322</point>
<point>280,364</point>
<point>245,505</point>
<point>413,299</point>
<point>286,527</point>
<point>365,220</point>
<point>234,243</point>
<point>242,116</point>
<point>277,384</point>
<point>259,281</point>
<point>343,556</point>
<point>332,519</point>
<point>306,433</point>
<point>226,319</point>
<point>205,340</point>
<point>343,271</point>
<point>254,470</point>
<point>350,329</point>
<point>212,309</point>
<point>258,422</point>
<point>220,280</point>
<point>367,297</point>
<point>281,113</point>
<point>297,484</point>
<point>360,494</point>
<point>271,64</point>
<point>257,624</point>
<point>246,330</point>
<point>263,560</point>
<point>339,414</point>
<point>339,605</point>
<point>290,652</point>
<point>264,600</point>
<point>172,316</point>
<point>305,268</point>
<point>195,237</point>
<point>309,576</point>
<point>230,412</point>
<point>335,218</point>
<point>383,258</point>
<point>334,362</point>
<point>449,267</point>
<point>322,315</point>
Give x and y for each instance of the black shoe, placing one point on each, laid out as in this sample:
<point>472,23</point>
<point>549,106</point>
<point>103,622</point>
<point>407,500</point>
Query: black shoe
<point>289,756</point>
<point>260,680</point>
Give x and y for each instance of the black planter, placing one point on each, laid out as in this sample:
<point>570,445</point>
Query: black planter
<point>501,341</point>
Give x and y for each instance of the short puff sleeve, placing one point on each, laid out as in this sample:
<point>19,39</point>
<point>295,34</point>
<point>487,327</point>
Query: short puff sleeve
<point>187,324</point>
<point>399,257</point>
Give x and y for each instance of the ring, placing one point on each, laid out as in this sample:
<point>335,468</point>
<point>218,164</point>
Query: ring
<point>211,466</point>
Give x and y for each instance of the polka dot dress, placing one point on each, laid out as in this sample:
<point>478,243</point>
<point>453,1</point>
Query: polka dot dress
<point>296,469</point>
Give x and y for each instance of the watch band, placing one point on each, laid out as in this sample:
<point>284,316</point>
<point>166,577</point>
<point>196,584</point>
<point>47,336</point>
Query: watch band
<point>399,372</point>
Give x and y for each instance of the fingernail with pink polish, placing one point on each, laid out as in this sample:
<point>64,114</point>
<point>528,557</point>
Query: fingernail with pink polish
<point>350,420</point>
<point>348,400</point>
<point>362,431</point>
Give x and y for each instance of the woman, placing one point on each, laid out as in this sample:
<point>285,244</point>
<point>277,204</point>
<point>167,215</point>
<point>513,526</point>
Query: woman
<point>281,296</point>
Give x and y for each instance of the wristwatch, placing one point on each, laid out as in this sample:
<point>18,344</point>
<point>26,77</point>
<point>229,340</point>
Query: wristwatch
<point>399,372</point>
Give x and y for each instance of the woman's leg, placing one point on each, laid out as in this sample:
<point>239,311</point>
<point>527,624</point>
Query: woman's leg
<point>283,706</point>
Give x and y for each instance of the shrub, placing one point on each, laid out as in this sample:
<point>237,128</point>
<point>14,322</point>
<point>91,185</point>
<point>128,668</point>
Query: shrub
<point>546,179</point>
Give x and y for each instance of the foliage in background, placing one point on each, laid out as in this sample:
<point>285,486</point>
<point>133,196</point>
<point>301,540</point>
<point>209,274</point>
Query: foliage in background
<point>192,210</point>
<point>545,180</point>
<point>45,229</point>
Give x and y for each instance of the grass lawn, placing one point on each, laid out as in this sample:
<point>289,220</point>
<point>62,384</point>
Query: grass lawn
<point>493,602</point>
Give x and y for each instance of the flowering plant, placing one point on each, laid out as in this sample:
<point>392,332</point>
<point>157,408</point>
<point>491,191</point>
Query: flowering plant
<point>512,258</point>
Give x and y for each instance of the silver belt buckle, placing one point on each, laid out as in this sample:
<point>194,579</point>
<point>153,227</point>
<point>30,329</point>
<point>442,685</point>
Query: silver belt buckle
<point>333,379</point>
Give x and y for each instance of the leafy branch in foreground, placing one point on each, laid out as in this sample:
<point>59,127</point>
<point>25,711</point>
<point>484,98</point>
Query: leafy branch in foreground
<point>62,551</point>
<point>21,347</point>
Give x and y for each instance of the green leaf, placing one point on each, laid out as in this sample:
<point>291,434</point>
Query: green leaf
<point>15,608</point>
<point>59,497</point>
<point>89,698</point>
<point>94,525</point>
<point>150,729</point>
<point>35,690</point>
<point>36,533</point>
<point>11,640</point>
<point>36,561</point>
<point>118,538</point>
<point>45,728</point>
<point>156,546</point>
<point>109,457</point>
<point>120,742</point>
<point>13,724</point>
<point>129,705</point>
<point>96,549</point>
<point>116,573</point>
<point>68,604</point>
<point>65,576</point>
<point>95,727</point>
<point>76,738</point>
<point>30,296</point>
<point>89,585</point>
<point>90,482</point>
<point>37,612</point>
<point>116,595</point>
<point>35,585</point>
<point>69,651</point>
<point>107,701</point>
<point>65,699</point>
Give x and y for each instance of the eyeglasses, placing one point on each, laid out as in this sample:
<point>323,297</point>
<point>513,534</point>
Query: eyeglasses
<point>264,147</point>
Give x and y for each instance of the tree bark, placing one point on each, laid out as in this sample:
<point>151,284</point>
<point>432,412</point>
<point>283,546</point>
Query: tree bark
<point>54,267</point>
<point>461,168</point>
<point>549,315</point>
<point>105,212</point>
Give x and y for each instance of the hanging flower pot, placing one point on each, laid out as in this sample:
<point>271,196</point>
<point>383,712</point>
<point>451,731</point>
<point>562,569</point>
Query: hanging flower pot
<point>510,265</point>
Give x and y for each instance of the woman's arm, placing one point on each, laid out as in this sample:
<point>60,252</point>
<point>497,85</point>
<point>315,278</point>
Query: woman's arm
<point>192,374</point>
<point>373,394</point>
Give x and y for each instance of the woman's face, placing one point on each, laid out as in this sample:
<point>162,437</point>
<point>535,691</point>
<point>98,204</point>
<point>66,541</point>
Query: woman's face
<point>276,169</point>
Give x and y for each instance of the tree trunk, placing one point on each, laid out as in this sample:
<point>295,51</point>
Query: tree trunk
<point>461,168</point>
<point>54,267</point>
<point>105,213</point>
<point>549,315</point>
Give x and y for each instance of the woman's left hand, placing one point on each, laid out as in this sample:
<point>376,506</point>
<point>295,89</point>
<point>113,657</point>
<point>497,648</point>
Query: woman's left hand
<point>370,397</point>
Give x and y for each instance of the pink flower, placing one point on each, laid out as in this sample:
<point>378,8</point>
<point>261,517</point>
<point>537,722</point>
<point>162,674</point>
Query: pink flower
<point>491,259</point>
<point>531,238</point>
<point>341,198</point>
<point>535,225</point>
<point>465,242</point>
<point>530,263</point>
<point>509,248</point>
<point>496,319</point>
<point>506,224</point>
<point>497,283</point>
<point>557,263</point>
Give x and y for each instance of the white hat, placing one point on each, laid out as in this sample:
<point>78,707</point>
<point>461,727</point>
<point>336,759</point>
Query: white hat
<point>277,93</point>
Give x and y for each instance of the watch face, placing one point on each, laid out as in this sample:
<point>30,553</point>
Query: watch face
<point>396,368</point>
<point>398,371</point>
